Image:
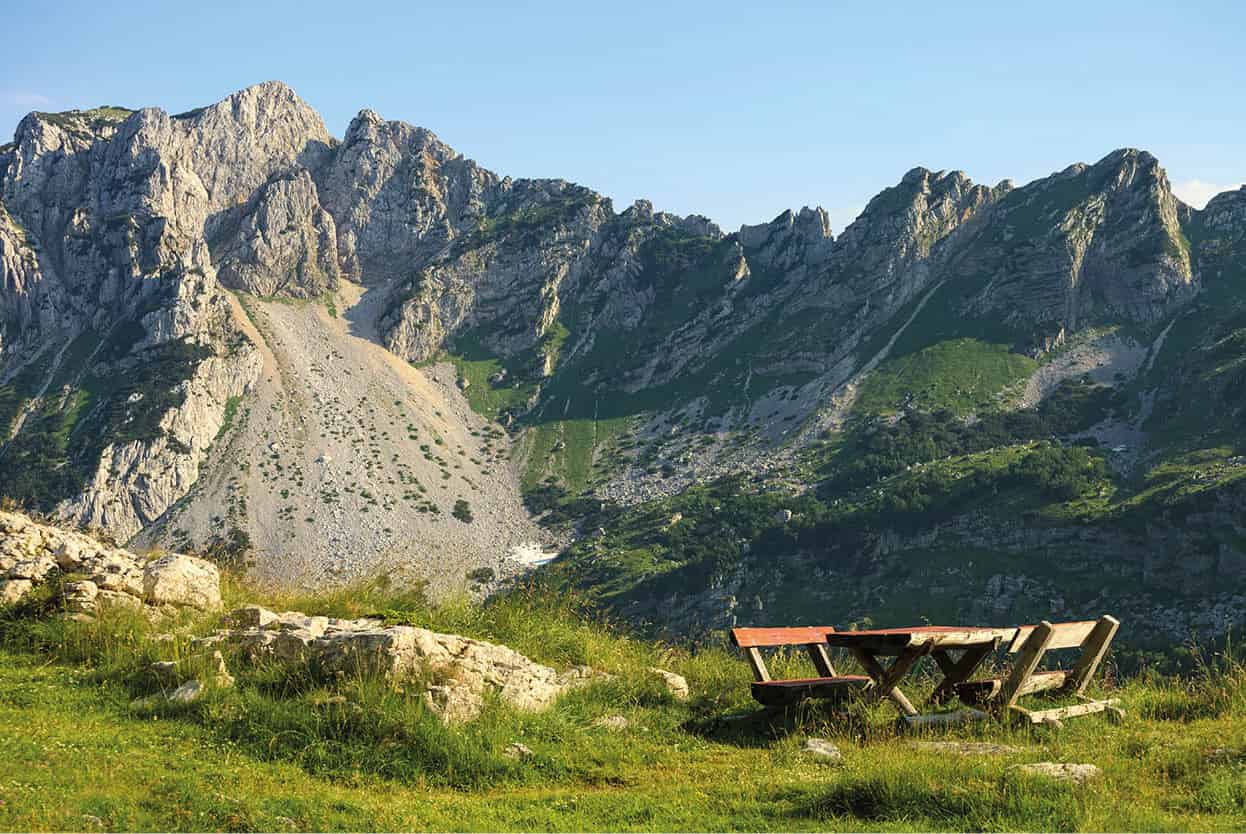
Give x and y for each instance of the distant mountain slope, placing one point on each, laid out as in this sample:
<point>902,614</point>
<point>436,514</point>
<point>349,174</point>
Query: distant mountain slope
<point>1019,389</point>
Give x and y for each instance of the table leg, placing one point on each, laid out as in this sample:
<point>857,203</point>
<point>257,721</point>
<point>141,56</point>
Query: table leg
<point>885,680</point>
<point>957,671</point>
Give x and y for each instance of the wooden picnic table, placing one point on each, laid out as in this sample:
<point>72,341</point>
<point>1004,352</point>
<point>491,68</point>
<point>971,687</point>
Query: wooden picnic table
<point>908,645</point>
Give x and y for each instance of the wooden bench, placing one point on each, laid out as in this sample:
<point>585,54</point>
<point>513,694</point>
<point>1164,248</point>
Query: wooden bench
<point>776,693</point>
<point>1030,644</point>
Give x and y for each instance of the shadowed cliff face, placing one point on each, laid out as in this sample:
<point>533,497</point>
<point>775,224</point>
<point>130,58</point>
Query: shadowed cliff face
<point>629,354</point>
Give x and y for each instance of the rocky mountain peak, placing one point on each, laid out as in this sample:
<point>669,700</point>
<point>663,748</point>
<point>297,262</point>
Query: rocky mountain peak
<point>1226,208</point>
<point>816,219</point>
<point>258,106</point>
<point>925,180</point>
<point>369,127</point>
<point>272,90</point>
<point>1221,230</point>
<point>916,174</point>
<point>642,214</point>
<point>790,239</point>
<point>84,125</point>
<point>1088,242</point>
<point>398,195</point>
<point>1132,169</point>
<point>639,210</point>
<point>1127,158</point>
<point>905,221</point>
<point>236,144</point>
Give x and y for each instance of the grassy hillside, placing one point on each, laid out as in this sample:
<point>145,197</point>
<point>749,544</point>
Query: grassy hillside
<point>962,375</point>
<point>81,750</point>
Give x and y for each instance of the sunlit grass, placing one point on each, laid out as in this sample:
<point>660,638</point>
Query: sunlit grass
<point>286,750</point>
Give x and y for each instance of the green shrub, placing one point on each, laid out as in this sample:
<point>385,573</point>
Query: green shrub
<point>481,576</point>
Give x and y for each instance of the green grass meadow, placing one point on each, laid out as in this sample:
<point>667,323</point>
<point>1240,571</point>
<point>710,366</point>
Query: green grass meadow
<point>86,747</point>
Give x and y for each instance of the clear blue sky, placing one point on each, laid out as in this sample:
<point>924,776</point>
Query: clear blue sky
<point>733,110</point>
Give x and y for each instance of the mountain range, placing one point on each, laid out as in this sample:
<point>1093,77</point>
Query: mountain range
<point>322,360</point>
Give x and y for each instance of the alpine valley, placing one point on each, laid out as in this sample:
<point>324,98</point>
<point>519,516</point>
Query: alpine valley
<point>322,361</point>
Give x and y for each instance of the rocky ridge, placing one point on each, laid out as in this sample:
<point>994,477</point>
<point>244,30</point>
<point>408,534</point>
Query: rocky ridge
<point>618,357</point>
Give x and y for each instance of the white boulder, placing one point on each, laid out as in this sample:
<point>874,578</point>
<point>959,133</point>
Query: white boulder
<point>178,579</point>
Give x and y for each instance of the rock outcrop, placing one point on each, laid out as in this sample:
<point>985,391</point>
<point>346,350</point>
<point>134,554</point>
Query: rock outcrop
<point>283,242</point>
<point>177,579</point>
<point>457,672</point>
<point>95,575</point>
<point>1092,242</point>
<point>399,194</point>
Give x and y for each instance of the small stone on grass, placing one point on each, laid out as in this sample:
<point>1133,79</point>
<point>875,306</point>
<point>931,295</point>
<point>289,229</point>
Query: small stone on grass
<point>675,684</point>
<point>967,748</point>
<point>1060,771</point>
<point>515,750</point>
<point>822,750</point>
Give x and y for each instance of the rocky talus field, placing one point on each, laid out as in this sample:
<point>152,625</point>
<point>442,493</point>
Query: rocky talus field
<point>321,360</point>
<point>346,463</point>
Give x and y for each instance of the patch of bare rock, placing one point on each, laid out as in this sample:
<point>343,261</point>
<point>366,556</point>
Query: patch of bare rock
<point>967,748</point>
<point>675,684</point>
<point>822,750</point>
<point>1060,771</point>
<point>97,575</point>
<point>457,673</point>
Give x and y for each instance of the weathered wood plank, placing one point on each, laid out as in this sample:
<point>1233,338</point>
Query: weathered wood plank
<point>767,637</point>
<point>1093,651</point>
<point>1043,682</point>
<point>1064,636</point>
<point>889,644</point>
<point>965,638</point>
<point>1056,713</point>
<point>979,692</point>
<point>786,693</point>
<point>946,719</point>
<point>1027,661</point>
<point>895,641</point>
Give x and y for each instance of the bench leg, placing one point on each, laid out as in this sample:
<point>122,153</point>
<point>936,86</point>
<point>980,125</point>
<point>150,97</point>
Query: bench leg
<point>1093,651</point>
<point>821,660</point>
<point>760,673</point>
<point>957,671</point>
<point>885,680</point>
<point>1028,658</point>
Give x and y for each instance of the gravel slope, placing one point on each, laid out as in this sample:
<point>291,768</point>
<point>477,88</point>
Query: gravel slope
<point>345,462</point>
<point>1107,358</point>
